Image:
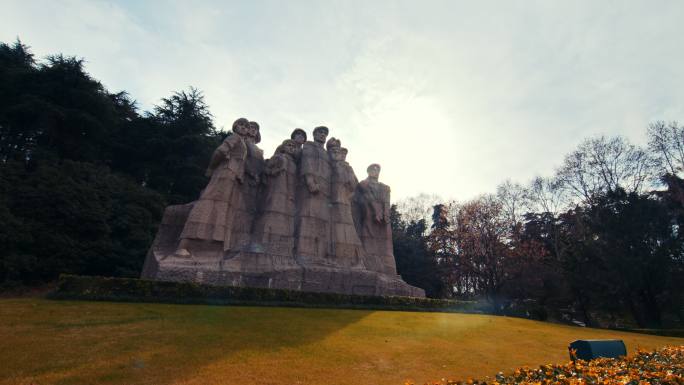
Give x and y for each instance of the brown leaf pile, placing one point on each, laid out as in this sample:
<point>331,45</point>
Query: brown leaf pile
<point>664,366</point>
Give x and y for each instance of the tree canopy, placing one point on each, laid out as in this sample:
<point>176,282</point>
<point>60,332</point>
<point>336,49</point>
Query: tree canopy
<point>84,175</point>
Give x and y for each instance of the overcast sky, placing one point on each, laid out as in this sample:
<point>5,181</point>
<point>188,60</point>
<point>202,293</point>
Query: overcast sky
<point>451,97</point>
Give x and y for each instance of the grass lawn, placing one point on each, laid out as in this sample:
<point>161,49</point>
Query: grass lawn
<point>64,342</point>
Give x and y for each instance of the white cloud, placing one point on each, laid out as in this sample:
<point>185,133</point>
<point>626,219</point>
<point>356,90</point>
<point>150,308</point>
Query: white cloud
<point>450,97</point>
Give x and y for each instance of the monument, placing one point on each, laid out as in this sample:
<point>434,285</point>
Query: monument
<point>299,220</point>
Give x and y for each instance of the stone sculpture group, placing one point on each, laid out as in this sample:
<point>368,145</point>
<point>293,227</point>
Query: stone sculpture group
<point>298,220</point>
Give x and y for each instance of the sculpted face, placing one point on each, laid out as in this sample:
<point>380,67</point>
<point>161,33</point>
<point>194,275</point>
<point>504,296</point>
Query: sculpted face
<point>253,129</point>
<point>241,129</point>
<point>337,154</point>
<point>374,171</point>
<point>319,136</point>
<point>299,138</point>
<point>290,147</point>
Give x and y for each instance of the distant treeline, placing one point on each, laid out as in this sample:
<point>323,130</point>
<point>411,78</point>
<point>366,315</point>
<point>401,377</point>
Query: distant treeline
<point>599,242</point>
<point>85,176</point>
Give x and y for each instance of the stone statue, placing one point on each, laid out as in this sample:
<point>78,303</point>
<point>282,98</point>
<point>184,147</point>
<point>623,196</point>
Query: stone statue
<point>298,221</point>
<point>372,201</point>
<point>211,217</point>
<point>274,229</point>
<point>313,216</point>
<point>245,204</point>
<point>347,249</point>
<point>299,136</point>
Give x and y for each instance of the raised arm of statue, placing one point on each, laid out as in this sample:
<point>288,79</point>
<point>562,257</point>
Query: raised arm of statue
<point>221,154</point>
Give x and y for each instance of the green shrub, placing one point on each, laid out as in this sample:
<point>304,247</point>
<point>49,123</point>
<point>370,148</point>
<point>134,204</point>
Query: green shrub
<point>140,290</point>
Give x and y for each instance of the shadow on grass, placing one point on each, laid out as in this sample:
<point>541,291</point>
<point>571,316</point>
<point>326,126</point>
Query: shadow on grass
<point>70,342</point>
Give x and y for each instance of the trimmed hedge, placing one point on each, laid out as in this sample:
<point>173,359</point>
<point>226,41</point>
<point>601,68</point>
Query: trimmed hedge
<point>92,288</point>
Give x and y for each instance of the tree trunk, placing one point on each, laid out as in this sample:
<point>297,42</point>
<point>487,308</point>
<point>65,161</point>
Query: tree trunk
<point>584,308</point>
<point>652,316</point>
<point>636,312</point>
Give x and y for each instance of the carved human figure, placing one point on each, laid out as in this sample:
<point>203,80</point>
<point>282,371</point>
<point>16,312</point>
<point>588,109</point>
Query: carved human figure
<point>254,165</point>
<point>246,203</point>
<point>313,197</point>
<point>299,136</point>
<point>372,219</point>
<point>274,229</point>
<point>211,218</point>
<point>346,249</point>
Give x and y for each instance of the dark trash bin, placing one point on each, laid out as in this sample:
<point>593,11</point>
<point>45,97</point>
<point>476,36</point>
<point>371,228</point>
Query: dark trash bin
<point>590,349</point>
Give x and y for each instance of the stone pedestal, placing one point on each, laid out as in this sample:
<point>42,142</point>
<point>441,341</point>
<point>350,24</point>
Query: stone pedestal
<point>277,272</point>
<point>254,269</point>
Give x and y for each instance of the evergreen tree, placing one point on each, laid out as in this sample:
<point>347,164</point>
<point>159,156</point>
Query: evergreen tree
<point>83,176</point>
<point>415,262</point>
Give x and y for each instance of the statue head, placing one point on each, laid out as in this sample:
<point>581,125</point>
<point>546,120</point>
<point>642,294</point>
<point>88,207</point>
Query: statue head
<point>241,126</point>
<point>320,133</point>
<point>253,131</point>
<point>332,143</point>
<point>338,154</point>
<point>299,136</point>
<point>373,171</point>
<point>289,147</point>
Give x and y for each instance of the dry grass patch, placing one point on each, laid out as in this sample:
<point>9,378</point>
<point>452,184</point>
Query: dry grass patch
<point>63,342</point>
